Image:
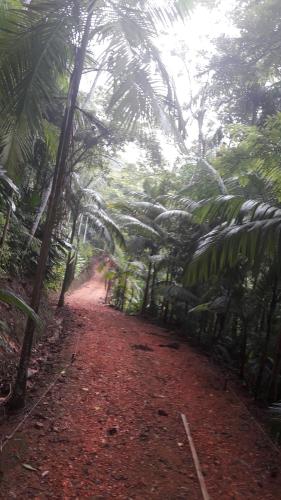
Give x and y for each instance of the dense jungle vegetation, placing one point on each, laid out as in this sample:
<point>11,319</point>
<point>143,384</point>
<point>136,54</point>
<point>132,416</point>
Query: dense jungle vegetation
<point>195,244</point>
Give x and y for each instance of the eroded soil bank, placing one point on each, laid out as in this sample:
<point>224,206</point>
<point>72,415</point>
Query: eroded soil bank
<point>111,425</point>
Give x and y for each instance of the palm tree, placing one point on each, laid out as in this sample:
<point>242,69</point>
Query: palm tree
<point>84,201</point>
<point>247,233</point>
<point>51,37</point>
<point>8,190</point>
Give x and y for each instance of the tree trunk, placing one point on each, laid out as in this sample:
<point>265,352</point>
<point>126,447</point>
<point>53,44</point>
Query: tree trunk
<point>166,312</point>
<point>243,351</point>
<point>108,289</point>
<point>146,291</point>
<point>267,338</point>
<point>164,302</point>
<point>171,313</point>
<point>6,227</point>
<point>131,299</point>
<point>153,307</point>
<point>41,210</point>
<point>68,265</point>
<point>118,293</point>
<point>80,225</point>
<point>221,323</point>
<point>274,382</point>
<point>234,327</point>
<point>201,138</point>
<point>214,330</point>
<point>123,292</point>
<point>17,399</point>
<point>85,230</point>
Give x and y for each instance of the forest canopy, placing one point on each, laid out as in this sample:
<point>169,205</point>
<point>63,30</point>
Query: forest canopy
<point>171,176</point>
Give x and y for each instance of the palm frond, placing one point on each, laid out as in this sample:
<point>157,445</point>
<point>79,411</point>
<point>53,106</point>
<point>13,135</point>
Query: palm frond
<point>233,208</point>
<point>147,208</point>
<point>132,224</point>
<point>35,44</point>
<point>218,305</point>
<point>13,300</point>
<point>109,224</point>
<point>140,85</point>
<point>97,228</point>
<point>179,293</point>
<point>226,245</point>
<point>226,208</point>
<point>170,216</point>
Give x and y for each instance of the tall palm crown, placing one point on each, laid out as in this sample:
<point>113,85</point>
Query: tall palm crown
<point>38,42</point>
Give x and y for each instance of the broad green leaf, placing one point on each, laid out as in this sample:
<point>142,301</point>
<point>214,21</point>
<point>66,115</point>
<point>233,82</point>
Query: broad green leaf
<point>13,300</point>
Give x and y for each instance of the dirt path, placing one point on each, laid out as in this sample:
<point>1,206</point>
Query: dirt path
<point>111,426</point>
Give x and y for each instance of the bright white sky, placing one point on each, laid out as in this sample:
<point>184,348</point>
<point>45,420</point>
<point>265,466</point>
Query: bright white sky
<point>196,34</point>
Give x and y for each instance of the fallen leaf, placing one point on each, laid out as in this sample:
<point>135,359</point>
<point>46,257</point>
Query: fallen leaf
<point>31,372</point>
<point>29,467</point>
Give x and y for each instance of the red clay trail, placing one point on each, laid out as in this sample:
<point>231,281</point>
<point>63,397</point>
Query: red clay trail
<point>111,427</point>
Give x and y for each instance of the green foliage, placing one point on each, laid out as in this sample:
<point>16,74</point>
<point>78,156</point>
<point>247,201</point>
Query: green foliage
<point>196,245</point>
<point>10,298</point>
<point>84,258</point>
<point>33,53</point>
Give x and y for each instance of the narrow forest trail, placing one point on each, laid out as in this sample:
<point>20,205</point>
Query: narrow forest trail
<point>111,426</point>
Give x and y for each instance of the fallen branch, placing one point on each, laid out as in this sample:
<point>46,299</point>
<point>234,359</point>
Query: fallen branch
<point>201,479</point>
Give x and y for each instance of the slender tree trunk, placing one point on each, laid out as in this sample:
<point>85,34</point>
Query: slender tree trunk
<point>221,323</point>
<point>201,138</point>
<point>118,293</point>
<point>108,289</point>
<point>41,210</point>
<point>68,265</point>
<point>153,306</point>
<point>80,225</point>
<point>243,352</point>
<point>124,291</point>
<point>85,230</point>
<point>131,299</point>
<point>167,306</point>
<point>274,382</point>
<point>164,302</point>
<point>17,399</point>
<point>267,338</point>
<point>171,313</point>
<point>76,256</point>
<point>214,330</point>
<point>146,290</point>
<point>166,312</point>
<point>6,227</point>
<point>234,327</point>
